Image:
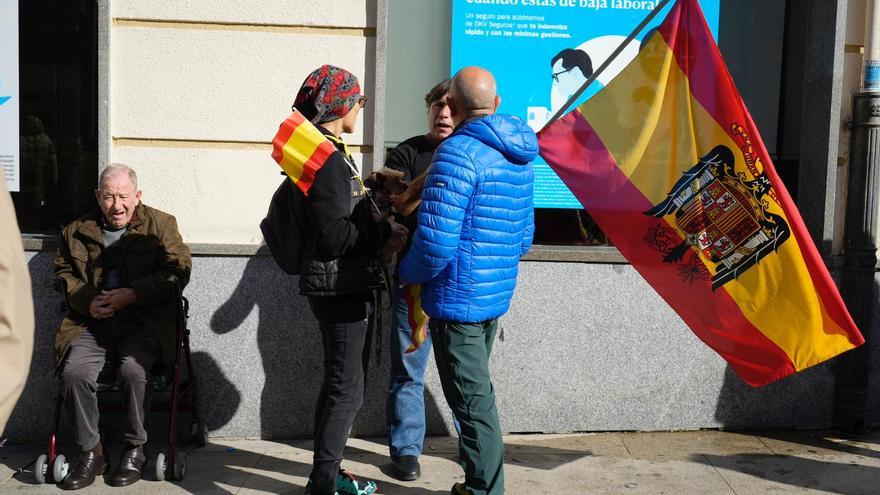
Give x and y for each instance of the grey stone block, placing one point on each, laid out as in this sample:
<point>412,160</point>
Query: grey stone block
<point>586,347</point>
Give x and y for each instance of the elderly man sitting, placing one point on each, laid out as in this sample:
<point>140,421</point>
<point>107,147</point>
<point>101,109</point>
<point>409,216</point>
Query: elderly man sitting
<point>116,263</point>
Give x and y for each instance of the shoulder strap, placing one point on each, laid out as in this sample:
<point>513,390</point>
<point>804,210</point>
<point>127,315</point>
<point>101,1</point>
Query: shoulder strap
<point>352,168</point>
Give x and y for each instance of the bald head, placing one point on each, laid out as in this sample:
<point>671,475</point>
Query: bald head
<point>473,92</point>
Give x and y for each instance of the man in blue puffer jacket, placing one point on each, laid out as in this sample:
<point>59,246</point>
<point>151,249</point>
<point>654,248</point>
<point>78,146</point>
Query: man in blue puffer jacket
<point>475,221</point>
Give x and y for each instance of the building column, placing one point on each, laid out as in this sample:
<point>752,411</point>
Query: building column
<point>853,369</point>
<point>820,129</point>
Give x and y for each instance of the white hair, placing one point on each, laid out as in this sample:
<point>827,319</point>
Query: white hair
<point>117,168</point>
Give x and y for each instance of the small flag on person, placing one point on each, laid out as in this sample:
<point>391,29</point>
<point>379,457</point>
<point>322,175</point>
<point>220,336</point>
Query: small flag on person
<point>415,315</point>
<point>301,150</point>
<point>668,162</point>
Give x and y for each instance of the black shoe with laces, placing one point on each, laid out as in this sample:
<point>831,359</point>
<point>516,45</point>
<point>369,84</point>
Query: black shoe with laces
<point>407,468</point>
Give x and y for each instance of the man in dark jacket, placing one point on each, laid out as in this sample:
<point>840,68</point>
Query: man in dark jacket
<point>117,265</point>
<point>406,386</point>
<point>475,221</point>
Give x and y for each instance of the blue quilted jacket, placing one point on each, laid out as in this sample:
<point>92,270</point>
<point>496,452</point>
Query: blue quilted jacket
<point>475,221</point>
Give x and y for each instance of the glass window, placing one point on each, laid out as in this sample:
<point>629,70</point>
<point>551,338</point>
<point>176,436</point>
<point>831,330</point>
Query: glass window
<point>765,34</point>
<point>58,53</point>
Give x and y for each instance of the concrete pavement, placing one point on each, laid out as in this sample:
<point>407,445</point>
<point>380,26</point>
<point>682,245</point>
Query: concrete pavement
<point>696,462</point>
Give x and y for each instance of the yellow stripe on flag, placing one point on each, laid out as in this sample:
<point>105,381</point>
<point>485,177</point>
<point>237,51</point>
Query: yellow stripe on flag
<point>299,148</point>
<point>663,133</point>
<point>416,318</point>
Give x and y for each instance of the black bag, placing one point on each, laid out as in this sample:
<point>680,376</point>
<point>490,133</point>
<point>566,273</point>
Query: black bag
<point>284,227</point>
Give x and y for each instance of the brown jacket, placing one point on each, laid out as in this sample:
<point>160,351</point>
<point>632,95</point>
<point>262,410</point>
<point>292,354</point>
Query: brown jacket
<point>152,250</point>
<point>16,310</point>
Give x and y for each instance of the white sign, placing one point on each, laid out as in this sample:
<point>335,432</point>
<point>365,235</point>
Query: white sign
<point>9,95</point>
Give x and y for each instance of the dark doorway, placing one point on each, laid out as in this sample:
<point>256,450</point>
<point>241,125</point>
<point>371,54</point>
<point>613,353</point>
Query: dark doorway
<point>58,57</point>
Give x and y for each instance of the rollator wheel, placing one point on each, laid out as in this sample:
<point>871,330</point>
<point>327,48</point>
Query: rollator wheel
<point>160,467</point>
<point>41,468</point>
<point>59,468</point>
<point>180,466</point>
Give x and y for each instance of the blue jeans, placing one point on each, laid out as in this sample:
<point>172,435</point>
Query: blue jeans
<point>406,388</point>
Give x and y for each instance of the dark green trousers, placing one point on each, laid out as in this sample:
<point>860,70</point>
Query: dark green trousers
<point>462,353</point>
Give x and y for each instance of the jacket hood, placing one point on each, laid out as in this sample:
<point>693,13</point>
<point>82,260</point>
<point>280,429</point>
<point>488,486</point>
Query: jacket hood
<point>506,133</point>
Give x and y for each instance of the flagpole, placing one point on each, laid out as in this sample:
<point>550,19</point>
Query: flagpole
<point>607,61</point>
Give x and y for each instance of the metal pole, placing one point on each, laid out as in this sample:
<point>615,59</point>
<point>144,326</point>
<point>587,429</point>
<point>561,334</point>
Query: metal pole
<point>871,79</point>
<point>860,236</point>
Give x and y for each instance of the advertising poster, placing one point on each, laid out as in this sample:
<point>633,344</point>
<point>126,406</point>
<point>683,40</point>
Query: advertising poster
<point>542,51</point>
<point>9,138</point>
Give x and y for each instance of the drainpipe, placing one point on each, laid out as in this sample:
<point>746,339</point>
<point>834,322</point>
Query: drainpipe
<point>860,234</point>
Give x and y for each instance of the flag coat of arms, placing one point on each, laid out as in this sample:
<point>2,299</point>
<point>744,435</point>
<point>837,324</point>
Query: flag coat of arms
<point>301,149</point>
<point>668,162</point>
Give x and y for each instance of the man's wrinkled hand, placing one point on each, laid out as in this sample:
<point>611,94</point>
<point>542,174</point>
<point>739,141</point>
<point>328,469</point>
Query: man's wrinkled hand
<point>406,202</point>
<point>98,308</point>
<point>117,299</point>
<point>398,235</point>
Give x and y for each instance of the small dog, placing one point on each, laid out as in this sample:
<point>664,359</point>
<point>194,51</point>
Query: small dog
<point>381,185</point>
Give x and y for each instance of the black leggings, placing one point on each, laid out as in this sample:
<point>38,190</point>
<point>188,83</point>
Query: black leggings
<point>343,323</point>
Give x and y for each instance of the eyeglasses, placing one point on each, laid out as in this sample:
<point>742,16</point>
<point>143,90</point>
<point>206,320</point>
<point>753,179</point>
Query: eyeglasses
<point>556,74</point>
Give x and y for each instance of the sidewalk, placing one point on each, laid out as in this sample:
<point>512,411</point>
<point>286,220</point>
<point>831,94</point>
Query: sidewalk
<point>700,462</point>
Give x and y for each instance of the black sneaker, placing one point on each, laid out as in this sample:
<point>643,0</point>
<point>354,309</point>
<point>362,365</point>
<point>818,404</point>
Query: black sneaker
<point>407,468</point>
<point>459,489</point>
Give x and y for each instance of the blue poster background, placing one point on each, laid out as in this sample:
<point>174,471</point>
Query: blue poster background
<point>518,39</point>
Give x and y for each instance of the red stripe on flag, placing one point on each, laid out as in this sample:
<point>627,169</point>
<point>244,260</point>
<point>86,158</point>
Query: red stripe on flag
<point>313,164</point>
<point>687,33</point>
<point>615,204</point>
<point>285,130</point>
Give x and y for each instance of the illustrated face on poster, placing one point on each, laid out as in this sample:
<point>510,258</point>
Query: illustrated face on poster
<point>570,70</point>
<point>542,52</point>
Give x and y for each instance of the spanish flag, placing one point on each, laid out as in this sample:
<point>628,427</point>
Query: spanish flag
<point>416,318</point>
<point>668,162</point>
<point>301,150</point>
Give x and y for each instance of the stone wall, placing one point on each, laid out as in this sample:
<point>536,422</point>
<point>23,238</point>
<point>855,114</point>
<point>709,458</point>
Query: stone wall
<point>196,91</point>
<point>586,347</point>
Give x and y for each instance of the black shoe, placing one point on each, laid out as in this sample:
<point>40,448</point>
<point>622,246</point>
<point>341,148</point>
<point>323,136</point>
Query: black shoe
<point>89,465</point>
<point>131,466</point>
<point>406,468</point>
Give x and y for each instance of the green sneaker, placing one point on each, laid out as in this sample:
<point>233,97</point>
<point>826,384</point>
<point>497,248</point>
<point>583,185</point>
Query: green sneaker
<point>348,484</point>
<point>459,489</point>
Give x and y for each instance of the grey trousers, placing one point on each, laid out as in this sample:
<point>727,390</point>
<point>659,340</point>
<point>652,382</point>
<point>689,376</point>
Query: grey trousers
<point>137,352</point>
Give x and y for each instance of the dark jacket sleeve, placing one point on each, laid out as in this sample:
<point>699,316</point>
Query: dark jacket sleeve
<point>175,259</point>
<point>328,207</point>
<point>402,158</point>
<point>78,292</point>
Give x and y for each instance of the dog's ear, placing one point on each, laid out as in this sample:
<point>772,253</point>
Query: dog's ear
<point>372,181</point>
